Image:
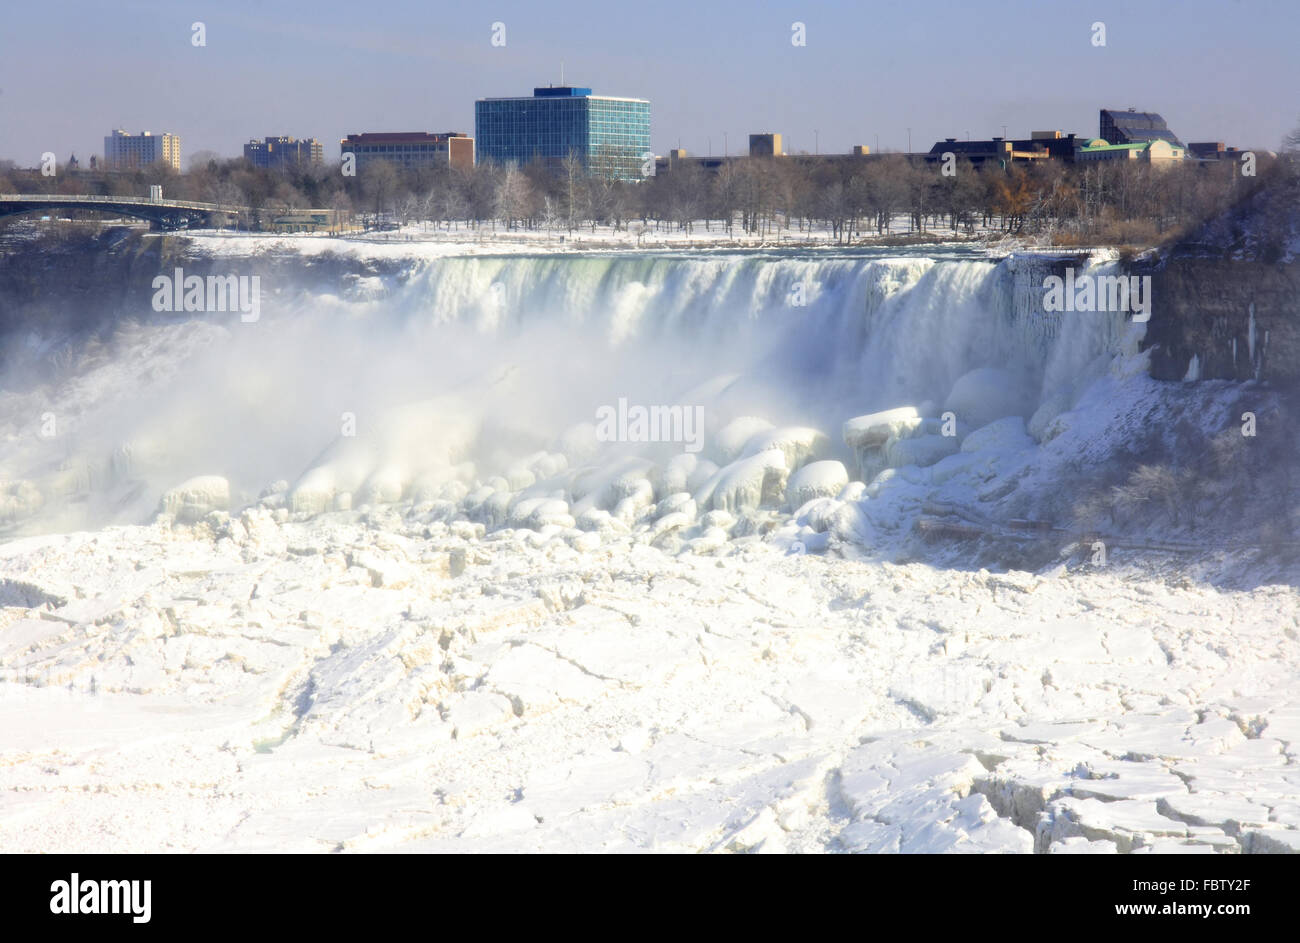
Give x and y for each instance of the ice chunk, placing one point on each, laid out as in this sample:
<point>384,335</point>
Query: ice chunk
<point>875,429</point>
<point>824,479</point>
<point>1078,845</point>
<point>746,483</point>
<point>680,502</point>
<point>799,444</point>
<point>384,485</point>
<point>478,711</point>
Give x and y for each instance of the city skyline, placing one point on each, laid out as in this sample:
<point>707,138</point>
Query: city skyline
<point>1217,71</point>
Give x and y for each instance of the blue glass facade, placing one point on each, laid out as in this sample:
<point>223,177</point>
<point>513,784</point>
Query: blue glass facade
<point>611,136</point>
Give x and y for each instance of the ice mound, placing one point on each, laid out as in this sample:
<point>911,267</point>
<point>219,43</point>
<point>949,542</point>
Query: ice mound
<point>746,483</point>
<point>867,436</point>
<point>874,429</point>
<point>415,447</point>
<point>898,438</point>
<point>608,488</point>
<point>677,474</point>
<point>799,444</point>
<point>922,450</point>
<point>824,479</point>
<point>986,394</point>
<point>1002,435</point>
<point>730,441</point>
<point>1042,423</point>
<point>193,500</point>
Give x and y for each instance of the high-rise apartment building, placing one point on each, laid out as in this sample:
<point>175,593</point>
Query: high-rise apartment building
<point>283,151</point>
<point>123,151</point>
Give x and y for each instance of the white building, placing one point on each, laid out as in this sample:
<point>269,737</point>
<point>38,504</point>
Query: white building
<point>123,150</point>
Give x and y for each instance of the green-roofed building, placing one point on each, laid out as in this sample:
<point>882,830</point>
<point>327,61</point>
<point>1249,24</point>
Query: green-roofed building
<point>1153,152</point>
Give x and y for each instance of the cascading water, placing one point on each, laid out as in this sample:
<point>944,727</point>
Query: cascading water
<point>463,368</point>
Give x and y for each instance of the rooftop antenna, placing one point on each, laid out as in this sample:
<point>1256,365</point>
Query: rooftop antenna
<point>561,73</point>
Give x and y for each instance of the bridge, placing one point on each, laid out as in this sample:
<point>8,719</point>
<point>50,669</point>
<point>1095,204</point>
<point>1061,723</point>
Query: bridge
<point>162,214</point>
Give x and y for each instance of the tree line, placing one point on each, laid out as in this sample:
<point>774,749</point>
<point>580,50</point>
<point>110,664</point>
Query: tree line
<point>1126,201</point>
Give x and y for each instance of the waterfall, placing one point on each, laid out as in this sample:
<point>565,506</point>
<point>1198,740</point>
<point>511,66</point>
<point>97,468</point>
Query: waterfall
<point>858,332</point>
<point>492,359</point>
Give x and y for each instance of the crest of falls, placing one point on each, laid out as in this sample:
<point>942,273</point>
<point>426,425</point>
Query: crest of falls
<point>460,373</point>
<point>864,333</point>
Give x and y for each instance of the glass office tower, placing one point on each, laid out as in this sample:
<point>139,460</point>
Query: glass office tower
<point>611,136</point>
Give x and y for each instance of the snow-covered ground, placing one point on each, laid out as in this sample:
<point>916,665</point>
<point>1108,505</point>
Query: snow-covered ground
<point>397,685</point>
<point>436,240</point>
<point>464,621</point>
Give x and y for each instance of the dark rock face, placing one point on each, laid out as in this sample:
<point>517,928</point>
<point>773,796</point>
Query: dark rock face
<point>1230,295</point>
<point>80,282</point>
<point>1239,319</point>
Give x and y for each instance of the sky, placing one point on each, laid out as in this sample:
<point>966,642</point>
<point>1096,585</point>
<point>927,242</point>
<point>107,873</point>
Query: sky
<point>714,72</point>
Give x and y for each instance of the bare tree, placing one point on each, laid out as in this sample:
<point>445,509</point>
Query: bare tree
<point>1291,143</point>
<point>513,195</point>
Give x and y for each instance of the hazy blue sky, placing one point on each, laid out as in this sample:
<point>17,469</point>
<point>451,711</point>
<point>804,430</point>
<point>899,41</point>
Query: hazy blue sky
<point>1216,69</point>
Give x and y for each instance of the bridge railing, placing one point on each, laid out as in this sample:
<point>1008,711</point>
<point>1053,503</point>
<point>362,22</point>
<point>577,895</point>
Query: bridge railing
<point>119,200</point>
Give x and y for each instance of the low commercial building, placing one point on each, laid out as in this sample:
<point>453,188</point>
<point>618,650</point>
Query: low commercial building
<point>1040,145</point>
<point>283,151</point>
<point>409,149</point>
<point>767,145</point>
<point>1156,152</point>
<point>1209,151</point>
<point>312,220</point>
